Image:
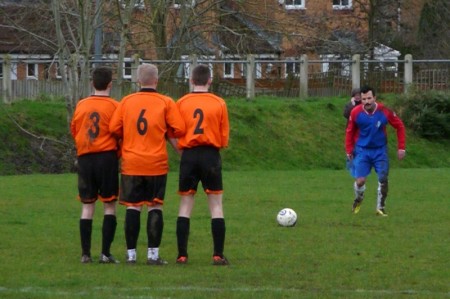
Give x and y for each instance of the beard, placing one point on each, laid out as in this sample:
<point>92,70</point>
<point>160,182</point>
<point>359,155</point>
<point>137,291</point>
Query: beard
<point>369,107</point>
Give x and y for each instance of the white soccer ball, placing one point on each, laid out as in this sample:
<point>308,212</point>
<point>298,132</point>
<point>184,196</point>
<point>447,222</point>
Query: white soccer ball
<point>287,217</point>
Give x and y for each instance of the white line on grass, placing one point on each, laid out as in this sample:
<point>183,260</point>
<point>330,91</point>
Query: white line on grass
<point>86,292</point>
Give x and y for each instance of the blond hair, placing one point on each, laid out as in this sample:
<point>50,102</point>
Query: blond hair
<point>147,74</point>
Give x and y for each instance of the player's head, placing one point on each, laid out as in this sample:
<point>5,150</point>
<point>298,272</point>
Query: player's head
<point>201,75</point>
<point>368,98</point>
<point>101,77</point>
<point>147,74</point>
<point>366,89</point>
<point>356,94</point>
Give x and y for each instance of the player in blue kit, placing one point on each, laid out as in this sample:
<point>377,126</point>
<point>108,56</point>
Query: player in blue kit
<point>366,146</point>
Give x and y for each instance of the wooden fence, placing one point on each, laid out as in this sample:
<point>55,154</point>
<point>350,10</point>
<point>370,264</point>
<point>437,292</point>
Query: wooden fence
<point>310,81</point>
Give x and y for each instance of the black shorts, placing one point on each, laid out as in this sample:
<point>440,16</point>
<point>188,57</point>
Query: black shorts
<point>203,164</point>
<point>138,190</point>
<point>98,177</point>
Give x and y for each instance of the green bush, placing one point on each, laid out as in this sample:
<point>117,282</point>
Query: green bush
<point>427,114</point>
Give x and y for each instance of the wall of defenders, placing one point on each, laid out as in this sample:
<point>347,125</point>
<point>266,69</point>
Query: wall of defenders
<point>135,132</point>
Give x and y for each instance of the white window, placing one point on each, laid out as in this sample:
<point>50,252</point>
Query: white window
<point>292,68</point>
<point>187,3</point>
<point>228,70</point>
<point>32,71</point>
<point>294,4</point>
<point>140,4</point>
<point>184,69</point>
<point>127,70</point>
<point>243,70</point>
<point>13,71</point>
<point>342,4</point>
<point>332,63</point>
<point>259,74</point>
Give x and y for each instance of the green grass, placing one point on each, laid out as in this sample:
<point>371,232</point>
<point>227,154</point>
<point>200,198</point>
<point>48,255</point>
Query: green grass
<point>329,254</point>
<point>266,134</point>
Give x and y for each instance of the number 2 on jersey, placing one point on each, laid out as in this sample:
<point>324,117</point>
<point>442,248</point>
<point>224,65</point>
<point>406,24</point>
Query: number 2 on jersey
<point>198,128</point>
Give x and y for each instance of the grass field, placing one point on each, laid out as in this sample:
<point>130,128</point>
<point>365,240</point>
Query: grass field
<point>329,254</point>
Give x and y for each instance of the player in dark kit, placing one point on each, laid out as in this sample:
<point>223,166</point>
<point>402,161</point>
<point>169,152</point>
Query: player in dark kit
<point>97,163</point>
<point>366,146</point>
<point>354,101</point>
<point>207,131</point>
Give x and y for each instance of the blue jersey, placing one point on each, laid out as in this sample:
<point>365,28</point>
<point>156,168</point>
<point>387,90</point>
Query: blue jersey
<point>368,130</point>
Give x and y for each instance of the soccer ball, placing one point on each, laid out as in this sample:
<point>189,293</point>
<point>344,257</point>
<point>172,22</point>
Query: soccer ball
<point>287,217</point>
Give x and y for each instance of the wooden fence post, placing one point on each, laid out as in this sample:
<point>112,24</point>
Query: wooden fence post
<point>250,80</point>
<point>408,77</point>
<point>356,71</point>
<point>304,76</point>
<point>194,62</point>
<point>6,82</point>
<point>134,66</point>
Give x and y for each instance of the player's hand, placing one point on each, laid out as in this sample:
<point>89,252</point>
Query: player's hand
<point>401,154</point>
<point>350,157</point>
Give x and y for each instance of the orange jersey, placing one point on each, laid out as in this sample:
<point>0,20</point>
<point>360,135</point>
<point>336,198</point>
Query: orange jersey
<point>206,118</point>
<point>142,121</point>
<point>90,125</point>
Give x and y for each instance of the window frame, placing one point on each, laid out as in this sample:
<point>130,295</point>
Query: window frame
<point>295,67</point>
<point>127,69</point>
<point>230,74</point>
<point>140,4</point>
<point>341,6</point>
<point>295,6</point>
<point>179,5</point>
<point>34,68</point>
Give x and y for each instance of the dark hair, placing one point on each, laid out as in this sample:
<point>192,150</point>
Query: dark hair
<point>355,91</point>
<point>101,77</point>
<point>366,89</point>
<point>201,75</point>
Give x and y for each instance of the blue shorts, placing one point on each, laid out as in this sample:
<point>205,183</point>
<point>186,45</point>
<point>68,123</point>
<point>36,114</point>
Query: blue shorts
<point>366,158</point>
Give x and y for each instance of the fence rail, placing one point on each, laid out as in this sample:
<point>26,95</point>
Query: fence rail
<point>253,77</point>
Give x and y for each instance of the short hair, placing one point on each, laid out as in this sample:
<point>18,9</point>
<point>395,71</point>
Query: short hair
<point>366,89</point>
<point>201,74</point>
<point>356,91</point>
<point>101,77</point>
<point>147,74</point>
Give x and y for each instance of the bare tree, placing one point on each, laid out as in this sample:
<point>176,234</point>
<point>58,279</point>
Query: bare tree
<point>434,30</point>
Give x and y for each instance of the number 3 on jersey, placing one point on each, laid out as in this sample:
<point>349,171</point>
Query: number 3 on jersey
<point>198,128</point>
<point>94,129</point>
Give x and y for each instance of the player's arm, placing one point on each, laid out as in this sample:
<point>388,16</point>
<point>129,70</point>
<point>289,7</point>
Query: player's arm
<point>350,132</point>
<point>225,127</point>
<point>397,123</point>
<point>115,124</point>
<point>174,143</point>
<point>175,121</point>
<point>347,109</point>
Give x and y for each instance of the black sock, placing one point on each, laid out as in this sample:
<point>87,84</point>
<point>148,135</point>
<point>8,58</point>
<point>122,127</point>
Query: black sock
<point>85,235</point>
<point>183,226</point>
<point>218,234</point>
<point>155,225</point>
<point>108,232</point>
<point>132,227</point>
